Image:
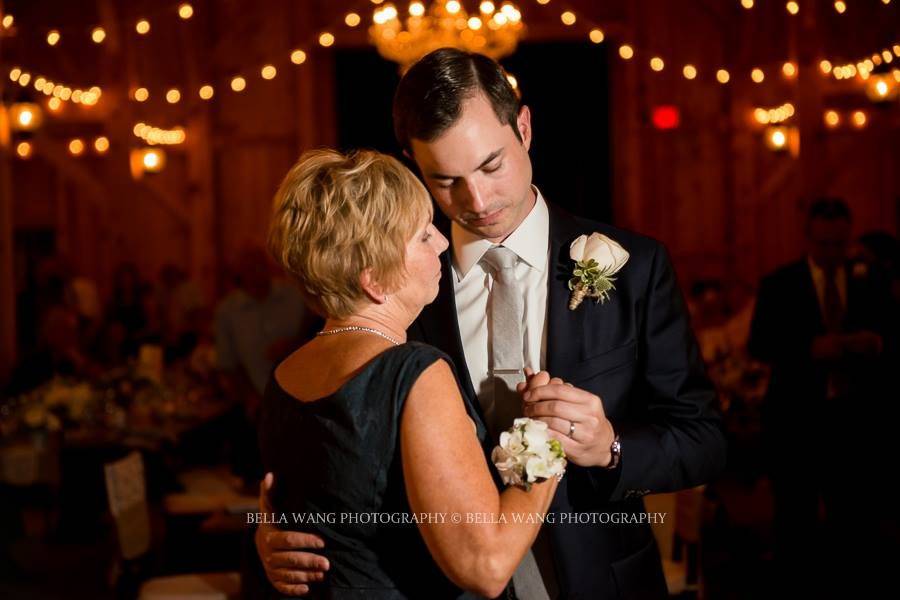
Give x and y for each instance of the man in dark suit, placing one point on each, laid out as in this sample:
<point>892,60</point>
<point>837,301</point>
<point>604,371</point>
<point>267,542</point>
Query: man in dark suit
<point>631,403</point>
<point>820,329</point>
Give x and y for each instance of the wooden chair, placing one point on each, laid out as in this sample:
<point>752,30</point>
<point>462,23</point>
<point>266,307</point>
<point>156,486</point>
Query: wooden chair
<point>127,494</point>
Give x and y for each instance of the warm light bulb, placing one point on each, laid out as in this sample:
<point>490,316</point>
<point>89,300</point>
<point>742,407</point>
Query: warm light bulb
<point>25,118</point>
<point>238,84</point>
<point>352,19</point>
<point>748,4</point>
<point>626,51</point>
<point>326,39</point>
<point>416,9</point>
<point>98,35</point>
<point>76,147</point>
<point>723,76</point>
<point>24,149</point>
<point>298,57</point>
<point>657,64</point>
<point>151,160</point>
<point>789,69</point>
<point>832,119</point>
<point>452,7</point>
<point>859,119</point>
<point>173,96</point>
<point>24,78</point>
<point>8,21</point>
<point>142,27</point>
<point>141,94</point>
<point>840,7</point>
<point>568,18</point>
<point>486,7</point>
<point>474,23</point>
<point>596,35</point>
<point>101,145</point>
<point>185,11</point>
<point>206,92</point>
<point>15,73</point>
<point>689,71</point>
<point>793,8</point>
<point>757,75</point>
<point>825,66</point>
<point>54,104</point>
<point>53,37</point>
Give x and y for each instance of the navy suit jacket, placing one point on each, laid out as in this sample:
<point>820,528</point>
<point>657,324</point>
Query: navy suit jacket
<point>637,352</point>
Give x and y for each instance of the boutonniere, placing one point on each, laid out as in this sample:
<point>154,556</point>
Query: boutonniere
<point>597,258</point>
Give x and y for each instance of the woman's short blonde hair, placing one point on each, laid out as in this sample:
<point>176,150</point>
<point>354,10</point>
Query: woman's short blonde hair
<point>336,215</point>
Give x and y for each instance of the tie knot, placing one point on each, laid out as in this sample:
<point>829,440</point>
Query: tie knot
<point>499,258</point>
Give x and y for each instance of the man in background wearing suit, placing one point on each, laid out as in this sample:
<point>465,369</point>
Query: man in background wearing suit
<point>820,328</point>
<point>639,416</point>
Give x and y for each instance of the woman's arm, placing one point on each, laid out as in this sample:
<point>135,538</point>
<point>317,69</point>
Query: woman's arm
<point>446,472</point>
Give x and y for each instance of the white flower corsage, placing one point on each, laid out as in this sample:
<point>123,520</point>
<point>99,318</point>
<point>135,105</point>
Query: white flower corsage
<point>527,454</point>
<point>597,258</point>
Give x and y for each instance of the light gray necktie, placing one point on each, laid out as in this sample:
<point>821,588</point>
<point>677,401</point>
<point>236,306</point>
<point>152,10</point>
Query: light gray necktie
<point>506,310</point>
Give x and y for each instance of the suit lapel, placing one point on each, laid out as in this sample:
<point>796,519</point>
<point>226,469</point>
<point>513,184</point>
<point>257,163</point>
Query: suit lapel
<point>441,328</point>
<point>564,327</point>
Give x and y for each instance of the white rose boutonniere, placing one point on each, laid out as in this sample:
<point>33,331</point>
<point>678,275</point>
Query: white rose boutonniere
<point>597,258</point>
<point>527,454</point>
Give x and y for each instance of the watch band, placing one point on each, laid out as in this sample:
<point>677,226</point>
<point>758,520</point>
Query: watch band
<point>615,451</point>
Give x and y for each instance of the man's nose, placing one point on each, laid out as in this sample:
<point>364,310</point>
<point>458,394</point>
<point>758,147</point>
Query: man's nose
<point>473,200</point>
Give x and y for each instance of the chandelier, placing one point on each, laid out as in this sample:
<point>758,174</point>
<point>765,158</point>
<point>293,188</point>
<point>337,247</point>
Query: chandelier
<point>491,31</point>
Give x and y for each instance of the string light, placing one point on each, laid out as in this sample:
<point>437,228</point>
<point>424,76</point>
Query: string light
<point>657,64</point>
<point>832,119</point>
<point>15,73</point>
<point>98,34</point>
<point>185,11</point>
<point>142,26</point>
<point>268,72</point>
<point>24,150</point>
<point>757,75</point>
<point>54,104</point>
<point>101,145</point>
<point>825,66</point>
<point>24,78</point>
<point>173,96</point>
<point>352,19</point>
<point>238,84</point>
<point>722,76</point>
<point>596,35</point>
<point>53,37</point>
<point>76,147</point>
<point>206,92</point>
<point>157,136</point>
<point>416,9</point>
<point>568,18</point>
<point>840,7</point>
<point>326,39</point>
<point>487,7</point>
<point>8,21</point>
<point>859,119</point>
<point>792,7</point>
<point>298,57</point>
<point>626,51</point>
<point>141,94</point>
<point>748,4</point>
<point>789,70</point>
<point>689,71</point>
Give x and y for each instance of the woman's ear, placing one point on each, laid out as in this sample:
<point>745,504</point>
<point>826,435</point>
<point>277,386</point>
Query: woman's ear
<point>371,287</point>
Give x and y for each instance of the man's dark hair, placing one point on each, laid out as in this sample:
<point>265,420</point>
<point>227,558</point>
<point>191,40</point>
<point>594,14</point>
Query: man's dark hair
<point>429,97</point>
<point>829,209</point>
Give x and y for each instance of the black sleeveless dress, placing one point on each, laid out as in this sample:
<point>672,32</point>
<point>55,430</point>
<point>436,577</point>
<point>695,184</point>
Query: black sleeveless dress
<point>338,474</point>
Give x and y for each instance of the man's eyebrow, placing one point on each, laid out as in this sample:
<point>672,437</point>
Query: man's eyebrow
<point>490,158</point>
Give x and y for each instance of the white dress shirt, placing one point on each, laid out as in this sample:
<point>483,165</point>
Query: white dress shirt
<point>472,285</point>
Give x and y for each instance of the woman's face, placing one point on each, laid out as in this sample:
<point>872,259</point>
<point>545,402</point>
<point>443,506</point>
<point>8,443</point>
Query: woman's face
<point>423,267</point>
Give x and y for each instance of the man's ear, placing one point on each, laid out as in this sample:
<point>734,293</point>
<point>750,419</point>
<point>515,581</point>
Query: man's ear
<point>371,287</point>
<point>523,122</point>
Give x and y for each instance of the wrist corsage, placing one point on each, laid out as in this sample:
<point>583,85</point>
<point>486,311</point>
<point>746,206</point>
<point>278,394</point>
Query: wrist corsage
<point>527,454</point>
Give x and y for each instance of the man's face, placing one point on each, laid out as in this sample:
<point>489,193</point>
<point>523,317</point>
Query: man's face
<point>828,241</point>
<point>478,171</point>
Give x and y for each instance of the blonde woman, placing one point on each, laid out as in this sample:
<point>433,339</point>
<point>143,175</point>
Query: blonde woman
<point>359,425</point>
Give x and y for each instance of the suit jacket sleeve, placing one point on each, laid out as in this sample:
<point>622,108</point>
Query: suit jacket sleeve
<point>672,438</point>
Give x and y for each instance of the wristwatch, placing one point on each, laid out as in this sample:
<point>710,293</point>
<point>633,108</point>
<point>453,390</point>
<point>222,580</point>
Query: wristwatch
<point>615,451</point>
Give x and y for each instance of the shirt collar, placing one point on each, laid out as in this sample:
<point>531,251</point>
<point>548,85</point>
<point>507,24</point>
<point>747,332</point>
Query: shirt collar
<point>529,241</point>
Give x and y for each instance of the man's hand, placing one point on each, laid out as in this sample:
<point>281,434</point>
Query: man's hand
<point>562,405</point>
<point>288,568</point>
